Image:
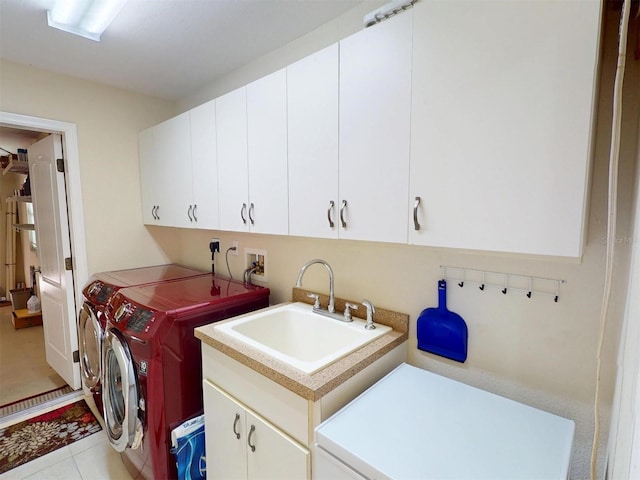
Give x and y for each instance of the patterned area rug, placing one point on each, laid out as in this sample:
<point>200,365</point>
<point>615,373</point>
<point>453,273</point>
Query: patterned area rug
<point>45,433</point>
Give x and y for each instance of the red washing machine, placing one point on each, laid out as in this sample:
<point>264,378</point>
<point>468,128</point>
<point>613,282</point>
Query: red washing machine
<point>152,363</point>
<point>91,321</point>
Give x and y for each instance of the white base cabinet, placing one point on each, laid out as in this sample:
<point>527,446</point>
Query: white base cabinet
<point>237,398</point>
<point>242,445</point>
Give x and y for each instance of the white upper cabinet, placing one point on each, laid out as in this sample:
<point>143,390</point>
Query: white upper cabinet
<point>252,157</point>
<point>502,104</point>
<point>267,154</point>
<point>375,102</point>
<point>312,101</point>
<point>149,179</point>
<point>165,164</point>
<point>204,166</point>
<point>178,170</point>
<point>233,176</point>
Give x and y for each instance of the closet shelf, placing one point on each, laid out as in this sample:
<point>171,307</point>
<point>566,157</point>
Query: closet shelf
<point>24,226</point>
<point>16,165</point>
<point>21,198</point>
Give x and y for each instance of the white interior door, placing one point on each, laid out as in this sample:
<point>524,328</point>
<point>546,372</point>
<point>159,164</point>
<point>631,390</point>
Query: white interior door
<point>54,245</point>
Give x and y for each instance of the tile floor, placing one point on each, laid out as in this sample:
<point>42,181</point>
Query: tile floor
<point>91,458</point>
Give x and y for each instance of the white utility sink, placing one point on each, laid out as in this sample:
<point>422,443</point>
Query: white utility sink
<point>305,340</point>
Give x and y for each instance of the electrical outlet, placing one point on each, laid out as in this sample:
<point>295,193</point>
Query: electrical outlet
<point>257,257</point>
<point>214,245</point>
<point>235,247</point>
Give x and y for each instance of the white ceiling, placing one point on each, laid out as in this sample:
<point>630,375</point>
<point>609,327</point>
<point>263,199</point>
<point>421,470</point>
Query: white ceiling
<point>164,48</point>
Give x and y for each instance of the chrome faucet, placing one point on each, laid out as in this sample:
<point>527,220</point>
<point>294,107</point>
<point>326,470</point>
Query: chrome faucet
<point>332,299</point>
<point>370,311</point>
<point>248,272</point>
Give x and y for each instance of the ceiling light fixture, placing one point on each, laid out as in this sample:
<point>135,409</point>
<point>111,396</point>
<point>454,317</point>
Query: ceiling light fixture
<point>87,18</point>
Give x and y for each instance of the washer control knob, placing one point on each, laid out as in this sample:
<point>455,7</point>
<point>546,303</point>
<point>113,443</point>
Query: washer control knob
<point>120,312</point>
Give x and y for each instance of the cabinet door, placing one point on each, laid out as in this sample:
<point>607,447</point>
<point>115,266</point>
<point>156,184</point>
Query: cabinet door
<point>233,185</point>
<point>148,176</point>
<point>173,163</point>
<point>267,150</point>
<point>501,121</point>
<point>312,102</point>
<point>375,98</point>
<point>204,160</point>
<point>225,435</point>
<point>272,454</point>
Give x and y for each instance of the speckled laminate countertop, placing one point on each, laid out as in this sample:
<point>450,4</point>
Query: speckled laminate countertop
<point>311,386</point>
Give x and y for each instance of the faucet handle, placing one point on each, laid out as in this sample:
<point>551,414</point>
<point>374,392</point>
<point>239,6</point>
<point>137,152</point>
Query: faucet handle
<point>370,311</point>
<point>347,311</point>
<point>316,297</point>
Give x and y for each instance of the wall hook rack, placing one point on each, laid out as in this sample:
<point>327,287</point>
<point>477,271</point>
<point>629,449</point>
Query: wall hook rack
<point>505,282</point>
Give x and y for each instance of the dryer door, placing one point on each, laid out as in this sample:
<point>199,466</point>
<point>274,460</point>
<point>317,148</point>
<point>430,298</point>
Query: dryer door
<point>120,393</point>
<point>90,345</point>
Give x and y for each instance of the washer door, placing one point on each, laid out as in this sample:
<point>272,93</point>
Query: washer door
<point>120,393</point>
<point>90,344</point>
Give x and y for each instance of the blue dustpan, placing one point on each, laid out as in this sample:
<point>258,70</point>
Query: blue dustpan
<point>443,332</point>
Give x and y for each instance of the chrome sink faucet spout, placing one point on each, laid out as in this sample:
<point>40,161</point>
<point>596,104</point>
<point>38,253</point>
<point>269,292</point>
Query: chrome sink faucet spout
<point>332,300</point>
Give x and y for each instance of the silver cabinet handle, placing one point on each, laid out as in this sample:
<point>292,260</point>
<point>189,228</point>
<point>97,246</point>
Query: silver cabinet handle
<point>189,213</point>
<point>251,208</point>
<point>331,205</point>
<point>242,211</point>
<point>153,212</point>
<point>416,225</point>
<point>251,432</point>
<point>344,205</point>
<point>235,426</point>
<point>195,207</point>
<point>157,210</point>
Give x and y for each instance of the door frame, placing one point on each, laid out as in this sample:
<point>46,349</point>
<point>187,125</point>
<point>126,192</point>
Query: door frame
<point>73,188</point>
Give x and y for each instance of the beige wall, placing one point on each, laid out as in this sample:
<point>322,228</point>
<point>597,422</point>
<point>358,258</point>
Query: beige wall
<point>532,350</point>
<point>108,121</point>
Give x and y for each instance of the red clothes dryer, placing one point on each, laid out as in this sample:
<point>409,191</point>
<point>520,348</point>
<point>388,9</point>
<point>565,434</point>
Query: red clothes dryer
<point>91,322</point>
<point>152,362</point>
